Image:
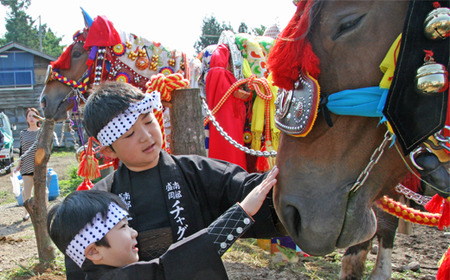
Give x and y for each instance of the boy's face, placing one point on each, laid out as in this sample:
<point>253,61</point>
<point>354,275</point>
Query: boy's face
<point>139,147</point>
<point>122,250</point>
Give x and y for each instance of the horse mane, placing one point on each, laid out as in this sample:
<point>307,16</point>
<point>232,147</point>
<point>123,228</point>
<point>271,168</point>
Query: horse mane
<point>292,51</point>
<point>63,61</point>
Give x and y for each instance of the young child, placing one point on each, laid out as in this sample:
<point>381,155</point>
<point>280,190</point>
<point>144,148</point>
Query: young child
<point>168,197</point>
<point>91,228</point>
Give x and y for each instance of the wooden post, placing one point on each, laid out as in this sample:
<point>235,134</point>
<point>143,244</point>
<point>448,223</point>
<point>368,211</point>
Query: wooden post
<point>186,119</point>
<point>37,206</point>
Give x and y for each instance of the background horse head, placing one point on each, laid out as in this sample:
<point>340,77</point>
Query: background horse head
<point>313,197</point>
<point>59,92</point>
<point>99,53</point>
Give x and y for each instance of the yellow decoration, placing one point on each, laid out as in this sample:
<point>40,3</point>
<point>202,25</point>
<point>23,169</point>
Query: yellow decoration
<point>132,55</point>
<point>387,66</point>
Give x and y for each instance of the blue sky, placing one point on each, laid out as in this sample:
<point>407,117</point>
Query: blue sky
<point>176,24</point>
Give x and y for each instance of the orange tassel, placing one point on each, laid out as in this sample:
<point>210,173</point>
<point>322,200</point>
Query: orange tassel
<point>444,269</point>
<point>88,167</point>
<point>85,185</point>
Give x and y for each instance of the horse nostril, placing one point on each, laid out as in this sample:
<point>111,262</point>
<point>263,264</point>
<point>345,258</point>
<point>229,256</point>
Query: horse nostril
<point>293,218</point>
<point>43,102</point>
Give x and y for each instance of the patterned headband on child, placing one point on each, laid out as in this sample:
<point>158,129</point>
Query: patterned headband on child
<point>124,121</point>
<point>93,232</point>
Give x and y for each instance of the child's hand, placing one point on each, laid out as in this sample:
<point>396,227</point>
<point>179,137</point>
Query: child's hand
<point>255,198</point>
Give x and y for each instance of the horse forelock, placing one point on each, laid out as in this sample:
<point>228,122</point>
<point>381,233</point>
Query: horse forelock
<point>63,61</point>
<point>292,51</point>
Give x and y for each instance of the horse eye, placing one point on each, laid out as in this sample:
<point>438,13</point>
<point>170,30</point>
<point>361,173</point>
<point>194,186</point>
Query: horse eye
<point>76,54</point>
<point>347,26</point>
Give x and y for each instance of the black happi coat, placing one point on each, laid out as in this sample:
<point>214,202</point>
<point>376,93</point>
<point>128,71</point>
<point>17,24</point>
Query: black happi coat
<point>203,187</point>
<point>196,257</point>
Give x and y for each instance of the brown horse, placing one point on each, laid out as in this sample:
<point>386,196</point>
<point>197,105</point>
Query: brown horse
<point>313,197</point>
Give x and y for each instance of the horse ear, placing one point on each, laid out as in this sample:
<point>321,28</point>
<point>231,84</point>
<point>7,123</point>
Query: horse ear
<point>87,19</point>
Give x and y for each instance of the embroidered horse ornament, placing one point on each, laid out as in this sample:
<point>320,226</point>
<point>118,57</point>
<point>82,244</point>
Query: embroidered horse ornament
<point>100,53</point>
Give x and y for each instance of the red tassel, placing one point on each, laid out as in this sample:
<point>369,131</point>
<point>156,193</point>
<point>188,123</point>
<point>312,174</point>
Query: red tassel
<point>85,185</point>
<point>292,50</point>
<point>442,206</point>
<point>262,163</point>
<point>444,269</point>
<point>434,205</point>
<point>444,221</point>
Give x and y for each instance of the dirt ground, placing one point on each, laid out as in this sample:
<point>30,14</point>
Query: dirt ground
<point>424,246</point>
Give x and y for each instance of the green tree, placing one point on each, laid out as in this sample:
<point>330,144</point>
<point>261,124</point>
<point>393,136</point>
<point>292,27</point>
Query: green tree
<point>259,31</point>
<point>243,28</point>
<point>211,30</point>
<point>22,29</point>
<point>50,42</point>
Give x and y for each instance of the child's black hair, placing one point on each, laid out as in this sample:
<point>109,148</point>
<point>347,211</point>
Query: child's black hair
<point>65,220</point>
<point>105,102</point>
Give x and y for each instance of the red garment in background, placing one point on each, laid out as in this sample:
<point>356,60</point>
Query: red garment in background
<point>231,115</point>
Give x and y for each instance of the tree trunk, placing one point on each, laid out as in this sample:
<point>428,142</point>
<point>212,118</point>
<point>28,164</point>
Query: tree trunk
<point>186,118</point>
<point>37,206</point>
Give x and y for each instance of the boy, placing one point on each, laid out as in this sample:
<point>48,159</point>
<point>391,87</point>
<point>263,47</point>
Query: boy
<point>168,197</point>
<point>91,228</point>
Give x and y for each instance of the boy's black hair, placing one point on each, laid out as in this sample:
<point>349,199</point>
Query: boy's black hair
<point>105,102</point>
<point>66,219</point>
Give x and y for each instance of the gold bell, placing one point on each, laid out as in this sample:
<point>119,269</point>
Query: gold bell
<point>431,77</point>
<point>79,151</point>
<point>437,24</point>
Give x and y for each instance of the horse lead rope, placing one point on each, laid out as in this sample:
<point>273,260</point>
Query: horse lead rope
<point>374,158</point>
<point>231,140</point>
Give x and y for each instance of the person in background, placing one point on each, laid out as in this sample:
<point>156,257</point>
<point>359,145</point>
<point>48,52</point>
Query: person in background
<point>26,164</point>
<point>2,140</point>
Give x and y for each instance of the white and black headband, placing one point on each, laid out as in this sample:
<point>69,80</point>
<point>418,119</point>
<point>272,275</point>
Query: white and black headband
<point>93,232</point>
<point>124,121</point>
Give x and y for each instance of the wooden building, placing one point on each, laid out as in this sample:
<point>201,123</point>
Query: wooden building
<point>22,77</point>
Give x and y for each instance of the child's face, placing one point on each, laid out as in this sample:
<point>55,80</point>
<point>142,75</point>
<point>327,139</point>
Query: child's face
<point>122,250</point>
<point>139,147</point>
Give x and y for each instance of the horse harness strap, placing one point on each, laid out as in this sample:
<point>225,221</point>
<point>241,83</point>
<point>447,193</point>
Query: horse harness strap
<point>79,87</point>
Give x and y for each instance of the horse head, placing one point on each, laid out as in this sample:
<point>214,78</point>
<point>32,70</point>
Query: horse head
<point>100,53</point>
<point>66,80</point>
<point>315,196</point>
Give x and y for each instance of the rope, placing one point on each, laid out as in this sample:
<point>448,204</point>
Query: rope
<point>254,84</point>
<point>165,85</point>
<point>82,85</point>
<point>403,212</point>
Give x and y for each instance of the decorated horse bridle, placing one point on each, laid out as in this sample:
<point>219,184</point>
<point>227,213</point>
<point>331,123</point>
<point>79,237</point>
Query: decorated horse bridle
<point>77,88</point>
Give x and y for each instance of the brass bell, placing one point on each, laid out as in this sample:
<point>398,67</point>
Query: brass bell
<point>431,78</point>
<point>437,24</point>
<point>79,152</point>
